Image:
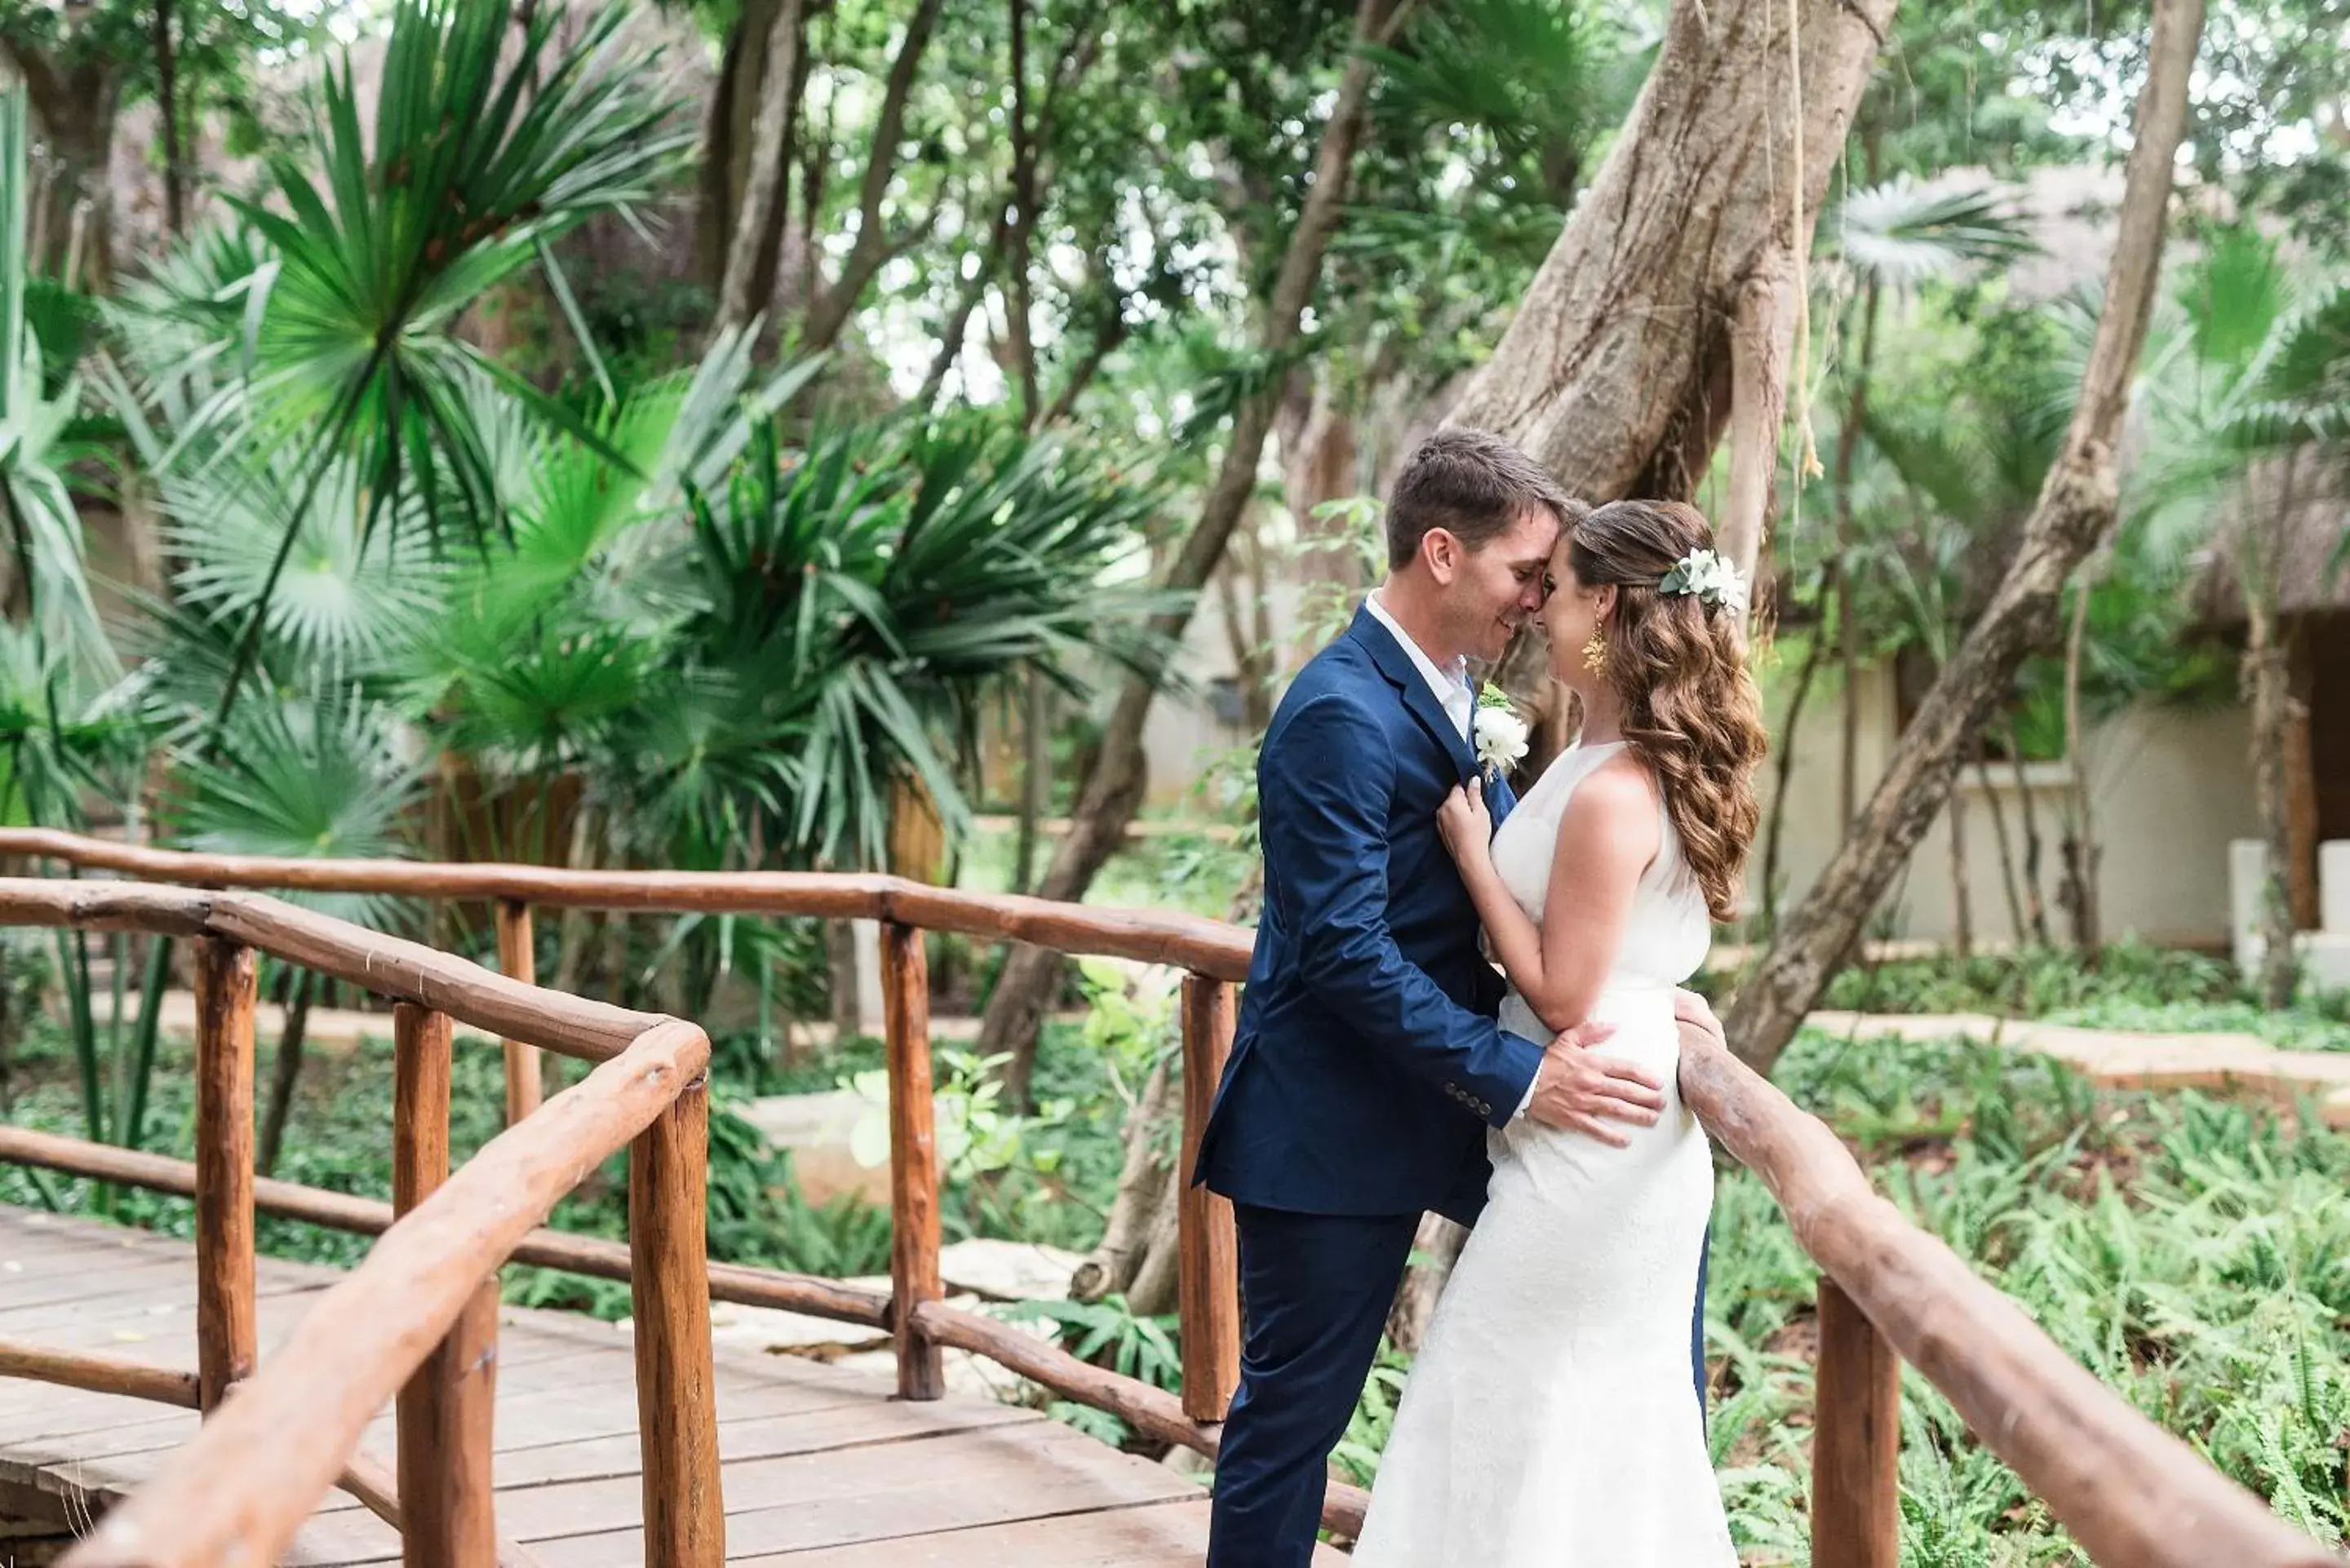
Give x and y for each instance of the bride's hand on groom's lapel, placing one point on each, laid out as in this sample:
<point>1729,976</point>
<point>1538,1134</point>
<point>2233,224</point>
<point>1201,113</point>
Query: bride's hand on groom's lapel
<point>1464,824</point>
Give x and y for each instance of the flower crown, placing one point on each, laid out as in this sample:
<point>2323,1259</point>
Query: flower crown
<point>1711,578</point>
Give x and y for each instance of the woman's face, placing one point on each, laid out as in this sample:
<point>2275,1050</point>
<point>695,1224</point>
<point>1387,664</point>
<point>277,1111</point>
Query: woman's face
<point>1572,613</point>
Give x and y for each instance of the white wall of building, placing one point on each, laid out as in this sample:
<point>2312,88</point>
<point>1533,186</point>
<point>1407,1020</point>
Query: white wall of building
<point>2168,789</point>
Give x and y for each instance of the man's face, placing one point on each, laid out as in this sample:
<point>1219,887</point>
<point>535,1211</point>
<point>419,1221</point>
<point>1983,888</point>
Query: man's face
<point>1496,588</point>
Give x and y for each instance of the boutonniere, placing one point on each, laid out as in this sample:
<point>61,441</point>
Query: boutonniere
<point>1502,735</point>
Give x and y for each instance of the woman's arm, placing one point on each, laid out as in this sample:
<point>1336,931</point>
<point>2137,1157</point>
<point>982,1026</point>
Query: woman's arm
<point>1606,836</point>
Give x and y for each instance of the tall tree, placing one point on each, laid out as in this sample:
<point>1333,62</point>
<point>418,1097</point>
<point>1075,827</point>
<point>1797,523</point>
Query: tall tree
<point>1618,370</point>
<point>83,63</point>
<point>1114,791</point>
<point>2077,508</point>
<point>876,240</point>
<point>756,239</point>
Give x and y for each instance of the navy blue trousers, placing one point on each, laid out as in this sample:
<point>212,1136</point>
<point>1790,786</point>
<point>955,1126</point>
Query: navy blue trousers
<point>1314,1294</point>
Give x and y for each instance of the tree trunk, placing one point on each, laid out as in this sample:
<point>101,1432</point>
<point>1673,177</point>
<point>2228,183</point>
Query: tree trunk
<point>2006,846</point>
<point>2080,847</point>
<point>1618,368</point>
<point>1114,790</point>
<point>167,111</point>
<point>1785,774</point>
<point>1761,337</point>
<point>2035,903</point>
<point>1143,1216</point>
<point>1616,371</point>
<point>285,1073</point>
<point>2265,673</point>
<point>1019,304</point>
<point>2076,508</point>
<point>76,110</point>
<point>1962,914</point>
<point>830,306</point>
<point>1248,631</point>
<point>2268,678</point>
<point>1035,777</point>
<point>1438,1245</point>
<point>1320,454</point>
<point>753,234</point>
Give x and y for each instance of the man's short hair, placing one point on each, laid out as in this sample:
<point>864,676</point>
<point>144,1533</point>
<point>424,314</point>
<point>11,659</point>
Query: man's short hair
<point>1472,483</point>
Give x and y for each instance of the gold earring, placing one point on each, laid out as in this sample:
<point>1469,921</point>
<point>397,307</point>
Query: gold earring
<point>1594,653</point>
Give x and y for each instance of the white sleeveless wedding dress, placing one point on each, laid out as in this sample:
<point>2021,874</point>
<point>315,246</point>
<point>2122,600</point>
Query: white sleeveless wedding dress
<point>1549,1421</point>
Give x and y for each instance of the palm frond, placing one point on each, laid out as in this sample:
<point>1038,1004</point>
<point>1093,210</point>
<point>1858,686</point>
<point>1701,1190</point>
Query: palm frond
<point>41,527</point>
<point>1902,233</point>
<point>323,775</point>
<point>375,240</point>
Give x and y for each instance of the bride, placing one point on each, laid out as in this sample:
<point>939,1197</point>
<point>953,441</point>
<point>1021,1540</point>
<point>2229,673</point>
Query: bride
<point>1548,1420</point>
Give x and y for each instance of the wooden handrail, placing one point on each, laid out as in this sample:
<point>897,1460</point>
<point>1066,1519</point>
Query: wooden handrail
<point>392,967</point>
<point>2134,1496</point>
<point>2130,1493</point>
<point>1203,946</point>
<point>243,1487</point>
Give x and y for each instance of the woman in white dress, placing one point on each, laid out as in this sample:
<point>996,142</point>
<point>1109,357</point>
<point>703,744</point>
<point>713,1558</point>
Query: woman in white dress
<point>1548,1422</point>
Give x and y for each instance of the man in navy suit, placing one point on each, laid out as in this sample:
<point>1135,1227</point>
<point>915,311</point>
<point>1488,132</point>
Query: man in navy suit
<point>1367,1065</point>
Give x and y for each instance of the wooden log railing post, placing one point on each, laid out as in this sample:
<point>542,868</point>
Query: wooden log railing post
<point>677,1400</point>
<point>444,1410</point>
<point>519,960</point>
<point>1207,1253</point>
<point>227,1329</point>
<point>1856,1440</point>
<point>913,1160</point>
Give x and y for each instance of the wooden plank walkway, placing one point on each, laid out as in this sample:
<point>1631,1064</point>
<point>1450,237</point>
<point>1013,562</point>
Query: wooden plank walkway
<point>822,1468</point>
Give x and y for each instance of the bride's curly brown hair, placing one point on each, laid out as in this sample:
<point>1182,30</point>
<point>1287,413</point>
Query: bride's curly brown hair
<point>1692,712</point>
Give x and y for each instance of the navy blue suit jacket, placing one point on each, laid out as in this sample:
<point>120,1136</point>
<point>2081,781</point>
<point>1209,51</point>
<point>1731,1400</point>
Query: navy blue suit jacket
<point>1367,1063</point>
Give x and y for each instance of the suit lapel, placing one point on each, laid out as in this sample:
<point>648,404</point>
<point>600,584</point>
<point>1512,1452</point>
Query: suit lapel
<point>1419,697</point>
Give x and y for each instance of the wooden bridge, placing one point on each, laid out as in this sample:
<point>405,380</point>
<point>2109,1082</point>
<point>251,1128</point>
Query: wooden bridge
<point>521,1437</point>
<point>820,1467</point>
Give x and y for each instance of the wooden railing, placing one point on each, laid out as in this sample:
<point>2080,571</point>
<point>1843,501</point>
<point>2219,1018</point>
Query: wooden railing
<point>2133,1496</point>
<point>418,1319</point>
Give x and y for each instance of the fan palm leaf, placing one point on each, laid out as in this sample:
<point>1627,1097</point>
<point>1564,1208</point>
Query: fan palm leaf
<point>1901,233</point>
<point>376,240</point>
<point>342,598</point>
<point>43,530</point>
<point>324,776</point>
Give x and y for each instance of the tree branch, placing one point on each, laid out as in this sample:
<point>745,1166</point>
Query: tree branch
<point>832,306</point>
<point>762,186</point>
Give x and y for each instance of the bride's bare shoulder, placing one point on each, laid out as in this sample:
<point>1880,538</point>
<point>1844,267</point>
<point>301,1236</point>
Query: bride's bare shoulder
<point>1615,803</point>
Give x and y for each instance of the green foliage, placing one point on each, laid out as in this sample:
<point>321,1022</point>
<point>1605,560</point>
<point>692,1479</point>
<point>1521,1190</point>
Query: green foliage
<point>38,398</point>
<point>1110,1334</point>
<point>2035,981</point>
<point>1902,234</point>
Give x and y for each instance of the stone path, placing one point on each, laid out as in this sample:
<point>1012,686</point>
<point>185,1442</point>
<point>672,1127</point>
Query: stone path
<point>2132,1059</point>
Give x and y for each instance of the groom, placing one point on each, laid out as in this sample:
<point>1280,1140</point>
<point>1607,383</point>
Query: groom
<point>1367,1065</point>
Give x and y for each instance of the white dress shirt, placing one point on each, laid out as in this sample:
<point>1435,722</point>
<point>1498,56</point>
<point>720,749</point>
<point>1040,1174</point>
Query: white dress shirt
<point>1452,691</point>
<point>1451,686</point>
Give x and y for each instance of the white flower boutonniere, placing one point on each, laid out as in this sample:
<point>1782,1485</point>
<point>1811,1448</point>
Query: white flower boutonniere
<point>1501,735</point>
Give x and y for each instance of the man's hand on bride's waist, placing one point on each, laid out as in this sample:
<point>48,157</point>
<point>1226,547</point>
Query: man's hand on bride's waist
<point>1580,1089</point>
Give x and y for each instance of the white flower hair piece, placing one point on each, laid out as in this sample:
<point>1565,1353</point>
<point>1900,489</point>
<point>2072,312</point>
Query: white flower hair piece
<point>1711,578</point>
